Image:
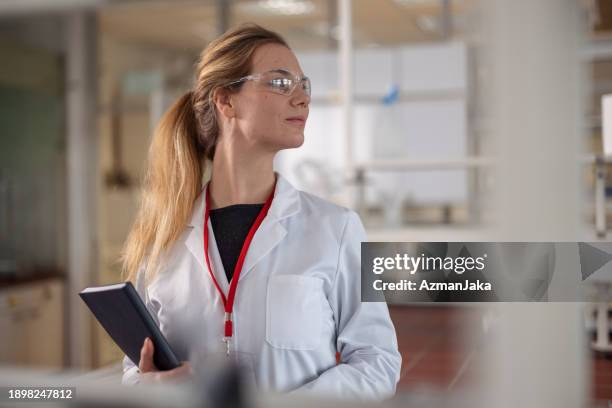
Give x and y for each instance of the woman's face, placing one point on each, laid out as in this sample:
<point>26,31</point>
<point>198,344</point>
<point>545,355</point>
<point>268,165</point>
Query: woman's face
<point>265,119</point>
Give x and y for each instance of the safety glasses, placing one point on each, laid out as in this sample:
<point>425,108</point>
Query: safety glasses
<point>277,80</point>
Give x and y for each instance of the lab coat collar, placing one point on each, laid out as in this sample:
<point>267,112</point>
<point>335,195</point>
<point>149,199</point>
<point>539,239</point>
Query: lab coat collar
<point>270,233</point>
<point>285,203</point>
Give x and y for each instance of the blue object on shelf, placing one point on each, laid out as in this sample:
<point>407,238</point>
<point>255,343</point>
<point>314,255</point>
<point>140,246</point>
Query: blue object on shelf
<point>392,96</point>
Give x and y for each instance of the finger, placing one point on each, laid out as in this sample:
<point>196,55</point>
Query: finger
<point>146,357</point>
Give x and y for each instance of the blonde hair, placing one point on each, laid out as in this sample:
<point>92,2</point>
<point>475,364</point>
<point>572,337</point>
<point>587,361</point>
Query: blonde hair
<point>186,135</point>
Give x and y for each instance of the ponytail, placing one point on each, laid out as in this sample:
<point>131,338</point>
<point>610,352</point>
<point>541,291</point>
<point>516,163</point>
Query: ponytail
<point>172,183</point>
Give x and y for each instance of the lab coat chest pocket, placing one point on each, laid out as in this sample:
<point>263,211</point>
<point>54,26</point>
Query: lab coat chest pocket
<point>294,312</point>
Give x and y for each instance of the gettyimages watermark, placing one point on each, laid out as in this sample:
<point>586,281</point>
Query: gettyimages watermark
<point>408,272</point>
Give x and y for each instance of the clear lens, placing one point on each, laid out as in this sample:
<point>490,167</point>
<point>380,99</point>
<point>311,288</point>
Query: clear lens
<point>306,85</point>
<point>283,83</point>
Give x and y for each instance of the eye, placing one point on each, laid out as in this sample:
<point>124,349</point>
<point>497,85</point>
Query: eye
<point>281,83</point>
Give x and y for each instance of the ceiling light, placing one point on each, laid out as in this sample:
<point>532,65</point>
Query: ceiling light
<point>279,7</point>
<point>418,2</point>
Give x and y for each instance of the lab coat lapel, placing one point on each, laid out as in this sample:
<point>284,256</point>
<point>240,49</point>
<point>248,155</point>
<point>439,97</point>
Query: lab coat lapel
<point>271,231</point>
<point>195,244</point>
<point>268,236</point>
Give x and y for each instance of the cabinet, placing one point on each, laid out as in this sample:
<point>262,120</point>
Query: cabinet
<point>32,324</point>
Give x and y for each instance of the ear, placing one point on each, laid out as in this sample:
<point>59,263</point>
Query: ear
<point>223,101</point>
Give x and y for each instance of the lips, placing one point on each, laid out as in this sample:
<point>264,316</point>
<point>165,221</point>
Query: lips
<point>297,118</point>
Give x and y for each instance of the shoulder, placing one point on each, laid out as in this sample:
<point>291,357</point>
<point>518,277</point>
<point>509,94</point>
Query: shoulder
<point>315,211</point>
<point>325,213</point>
<point>317,205</point>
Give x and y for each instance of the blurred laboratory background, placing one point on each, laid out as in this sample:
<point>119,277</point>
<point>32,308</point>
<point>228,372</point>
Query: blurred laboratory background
<point>436,120</point>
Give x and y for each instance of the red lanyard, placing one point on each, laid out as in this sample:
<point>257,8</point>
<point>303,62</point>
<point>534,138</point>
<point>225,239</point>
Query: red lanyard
<point>228,302</point>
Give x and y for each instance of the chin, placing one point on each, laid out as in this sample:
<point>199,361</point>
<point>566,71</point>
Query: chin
<point>298,141</point>
<point>293,141</point>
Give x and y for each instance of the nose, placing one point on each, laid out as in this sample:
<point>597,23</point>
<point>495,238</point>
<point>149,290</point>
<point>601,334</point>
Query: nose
<point>299,97</point>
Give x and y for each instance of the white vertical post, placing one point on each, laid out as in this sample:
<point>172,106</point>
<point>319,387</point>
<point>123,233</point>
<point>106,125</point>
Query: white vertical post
<point>606,123</point>
<point>81,94</point>
<point>536,99</point>
<point>600,197</point>
<point>346,85</point>
<point>538,357</point>
<point>602,323</point>
<point>600,166</point>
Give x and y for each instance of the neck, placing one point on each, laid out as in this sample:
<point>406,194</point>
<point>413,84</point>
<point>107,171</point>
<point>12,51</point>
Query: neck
<point>240,177</point>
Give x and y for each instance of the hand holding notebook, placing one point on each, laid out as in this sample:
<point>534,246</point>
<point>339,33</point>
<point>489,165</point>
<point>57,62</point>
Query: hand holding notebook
<point>150,373</point>
<point>126,319</point>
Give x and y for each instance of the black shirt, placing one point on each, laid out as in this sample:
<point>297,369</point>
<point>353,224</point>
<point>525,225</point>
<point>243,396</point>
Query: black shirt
<point>231,225</point>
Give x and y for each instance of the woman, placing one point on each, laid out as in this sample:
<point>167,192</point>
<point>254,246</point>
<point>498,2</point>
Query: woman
<point>294,300</point>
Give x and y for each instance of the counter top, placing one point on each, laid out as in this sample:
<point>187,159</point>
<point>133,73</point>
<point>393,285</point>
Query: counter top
<point>36,276</point>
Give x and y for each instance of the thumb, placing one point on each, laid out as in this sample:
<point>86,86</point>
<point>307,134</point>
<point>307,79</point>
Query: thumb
<point>146,357</point>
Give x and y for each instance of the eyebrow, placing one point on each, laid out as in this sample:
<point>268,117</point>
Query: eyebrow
<point>285,71</point>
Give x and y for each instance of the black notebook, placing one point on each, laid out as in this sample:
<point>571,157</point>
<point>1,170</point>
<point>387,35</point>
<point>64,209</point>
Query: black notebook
<point>126,319</point>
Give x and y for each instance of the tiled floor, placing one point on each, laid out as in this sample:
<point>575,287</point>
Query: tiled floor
<point>433,346</point>
<point>436,352</point>
<point>602,378</point>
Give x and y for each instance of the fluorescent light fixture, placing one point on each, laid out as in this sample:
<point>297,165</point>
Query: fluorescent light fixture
<point>279,7</point>
<point>418,2</point>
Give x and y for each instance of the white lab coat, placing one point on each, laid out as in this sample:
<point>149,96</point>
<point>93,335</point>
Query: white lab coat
<point>297,302</point>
